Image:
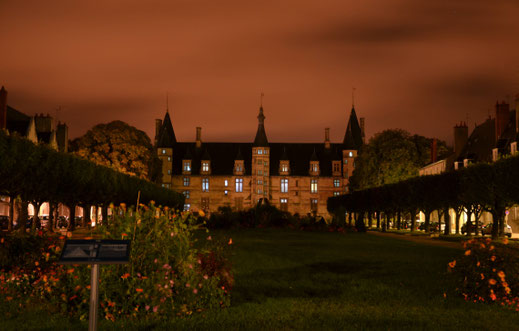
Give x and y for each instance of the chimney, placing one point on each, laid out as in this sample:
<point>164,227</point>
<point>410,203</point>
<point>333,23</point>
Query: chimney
<point>362,132</point>
<point>3,108</point>
<point>327,138</point>
<point>158,126</point>
<point>461,136</point>
<point>434,150</point>
<point>502,118</point>
<point>198,137</point>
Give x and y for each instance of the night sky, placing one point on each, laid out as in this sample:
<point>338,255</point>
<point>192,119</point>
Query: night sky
<point>417,65</point>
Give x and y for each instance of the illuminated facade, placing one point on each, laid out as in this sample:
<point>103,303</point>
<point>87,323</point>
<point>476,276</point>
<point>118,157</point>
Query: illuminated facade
<point>295,177</point>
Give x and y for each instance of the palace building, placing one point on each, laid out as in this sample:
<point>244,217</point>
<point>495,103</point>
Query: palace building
<point>295,177</point>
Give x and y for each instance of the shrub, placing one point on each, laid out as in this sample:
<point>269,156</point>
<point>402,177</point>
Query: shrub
<point>165,275</point>
<point>487,272</point>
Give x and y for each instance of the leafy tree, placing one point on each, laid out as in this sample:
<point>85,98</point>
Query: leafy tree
<point>121,147</point>
<point>392,156</point>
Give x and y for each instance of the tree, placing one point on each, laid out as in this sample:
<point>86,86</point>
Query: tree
<point>392,156</point>
<point>121,147</point>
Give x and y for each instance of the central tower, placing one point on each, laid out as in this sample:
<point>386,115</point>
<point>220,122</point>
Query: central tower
<point>260,186</point>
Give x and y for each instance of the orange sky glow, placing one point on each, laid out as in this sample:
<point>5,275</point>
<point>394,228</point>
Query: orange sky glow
<point>418,65</point>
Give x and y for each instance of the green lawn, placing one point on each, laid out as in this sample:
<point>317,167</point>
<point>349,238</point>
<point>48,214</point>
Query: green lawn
<point>301,280</point>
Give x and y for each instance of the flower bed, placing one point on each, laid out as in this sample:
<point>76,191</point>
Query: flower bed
<point>487,272</point>
<point>166,275</point>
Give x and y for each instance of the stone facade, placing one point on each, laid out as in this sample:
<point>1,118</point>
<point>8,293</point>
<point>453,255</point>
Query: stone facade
<point>295,177</point>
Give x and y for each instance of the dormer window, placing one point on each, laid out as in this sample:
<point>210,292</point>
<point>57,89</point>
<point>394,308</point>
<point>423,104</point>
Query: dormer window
<point>238,167</point>
<point>513,148</point>
<point>163,151</point>
<point>205,165</point>
<point>350,154</point>
<point>314,168</point>
<point>186,166</point>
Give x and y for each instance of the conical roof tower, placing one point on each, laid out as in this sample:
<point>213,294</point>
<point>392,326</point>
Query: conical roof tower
<point>353,137</point>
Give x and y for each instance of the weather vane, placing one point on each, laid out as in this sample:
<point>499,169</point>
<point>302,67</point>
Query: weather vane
<point>261,99</point>
<point>353,97</point>
<point>167,102</point>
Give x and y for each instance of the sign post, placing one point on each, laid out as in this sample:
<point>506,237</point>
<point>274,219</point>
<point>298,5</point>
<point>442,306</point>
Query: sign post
<point>95,252</point>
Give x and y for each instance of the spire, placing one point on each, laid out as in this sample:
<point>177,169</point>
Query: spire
<point>284,156</point>
<point>167,135</point>
<point>261,137</point>
<point>239,156</point>
<point>314,156</point>
<point>167,102</point>
<point>206,155</point>
<point>353,136</point>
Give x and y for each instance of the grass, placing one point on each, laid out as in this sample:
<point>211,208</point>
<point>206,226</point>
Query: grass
<point>301,280</point>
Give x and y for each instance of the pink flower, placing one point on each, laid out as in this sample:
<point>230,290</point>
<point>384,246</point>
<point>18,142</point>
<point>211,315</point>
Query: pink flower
<point>188,285</point>
<point>209,238</point>
<point>190,266</point>
<point>195,291</point>
<point>166,266</point>
<point>147,307</point>
<point>173,234</point>
<point>206,277</point>
<point>199,261</point>
<point>155,309</point>
<point>155,261</point>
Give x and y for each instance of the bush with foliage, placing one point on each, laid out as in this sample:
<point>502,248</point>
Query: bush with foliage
<point>166,275</point>
<point>488,271</point>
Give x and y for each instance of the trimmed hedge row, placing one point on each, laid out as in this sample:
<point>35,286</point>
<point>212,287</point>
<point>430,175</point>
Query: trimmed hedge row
<point>479,187</point>
<point>38,174</point>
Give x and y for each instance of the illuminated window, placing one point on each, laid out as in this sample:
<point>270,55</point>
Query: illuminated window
<point>260,151</point>
<point>260,182</point>
<point>163,151</point>
<point>186,181</point>
<point>187,206</point>
<point>284,168</point>
<point>169,158</point>
<point>313,186</point>
<point>265,163</point>
<point>186,194</point>
<point>336,194</point>
<point>226,192</point>
<point>283,204</point>
<point>205,165</point>
<point>284,185</point>
<point>205,185</point>
<point>315,167</point>
<point>260,173</point>
<point>163,185</point>
<point>350,154</point>
<point>226,183</point>
<point>336,183</point>
<point>187,165</point>
<point>345,161</point>
<point>260,191</point>
<point>239,185</point>
<point>266,151</point>
<point>169,171</point>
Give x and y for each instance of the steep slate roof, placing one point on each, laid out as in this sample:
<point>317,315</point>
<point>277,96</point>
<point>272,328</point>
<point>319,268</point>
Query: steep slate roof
<point>353,136</point>
<point>223,156</point>
<point>17,121</point>
<point>480,143</point>
<point>166,135</point>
